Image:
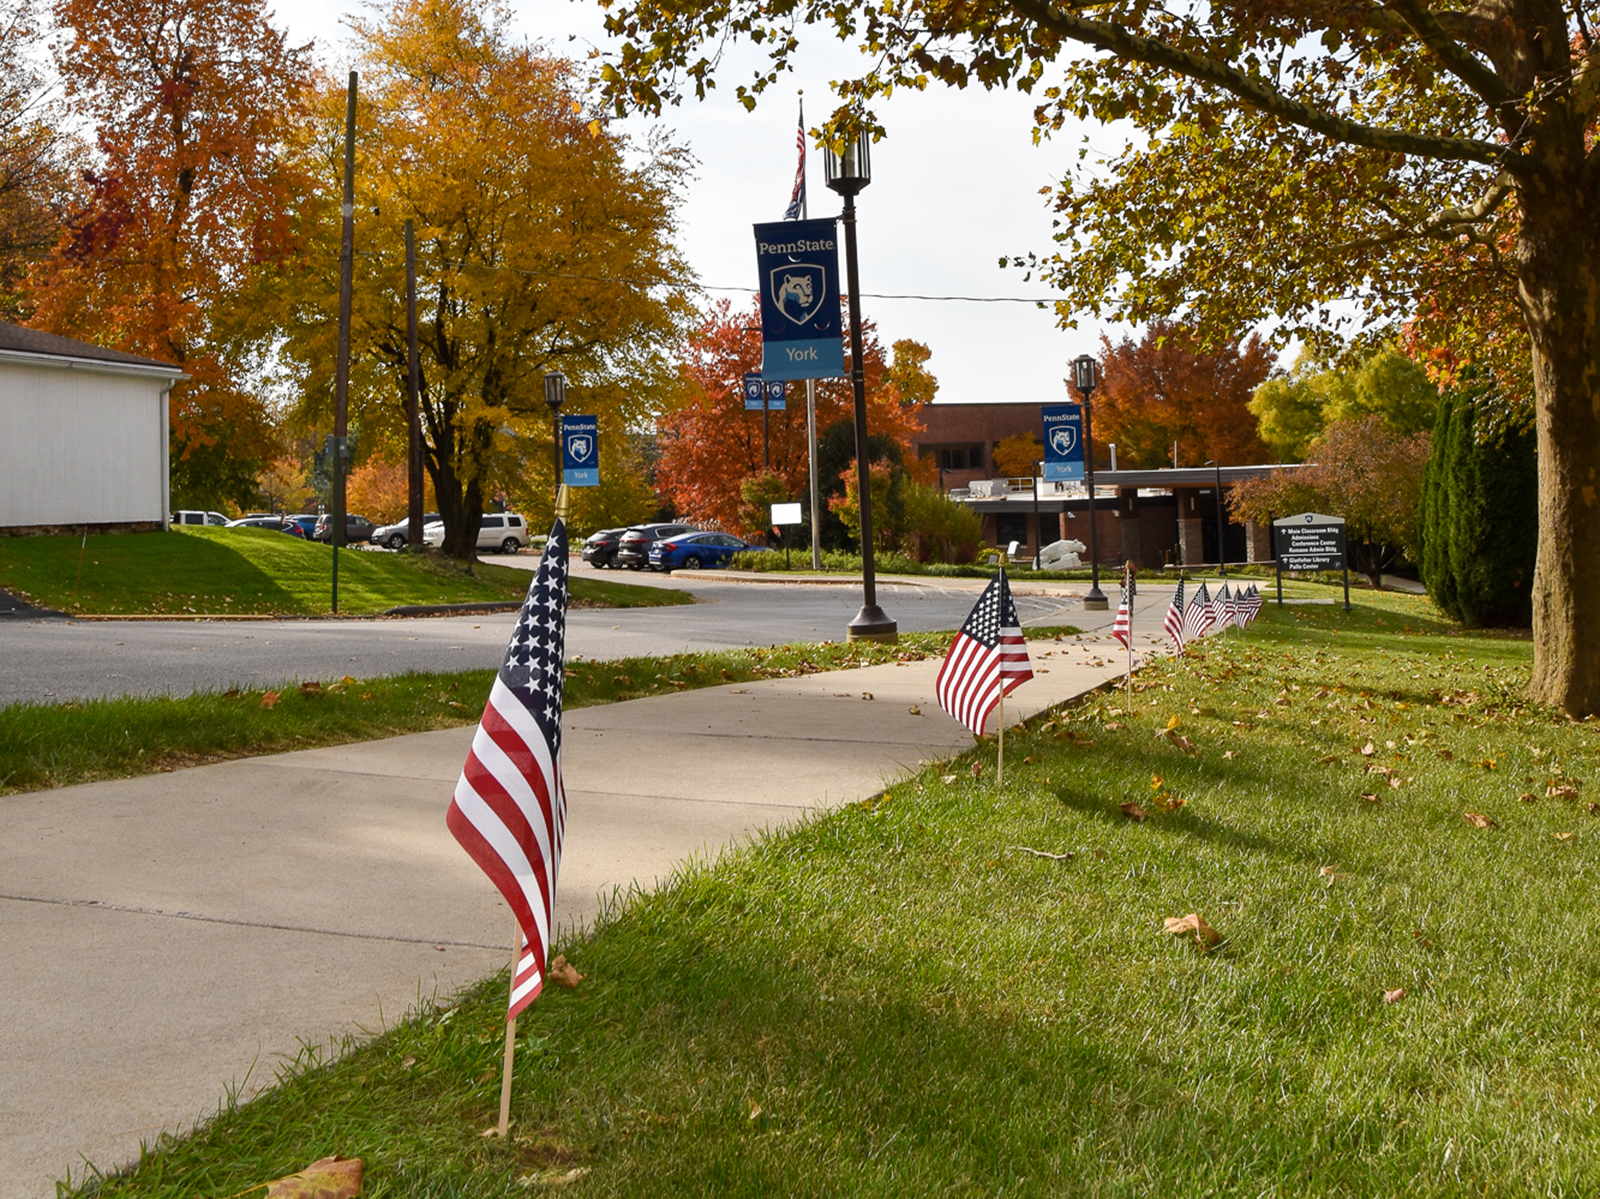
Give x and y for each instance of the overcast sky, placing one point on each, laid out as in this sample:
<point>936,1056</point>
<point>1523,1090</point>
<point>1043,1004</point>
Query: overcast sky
<point>955,187</point>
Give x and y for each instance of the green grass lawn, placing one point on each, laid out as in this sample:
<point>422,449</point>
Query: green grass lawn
<point>56,745</point>
<point>242,571</point>
<point>946,990</point>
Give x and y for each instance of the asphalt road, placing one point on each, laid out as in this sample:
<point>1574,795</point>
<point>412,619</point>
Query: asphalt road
<point>49,661</point>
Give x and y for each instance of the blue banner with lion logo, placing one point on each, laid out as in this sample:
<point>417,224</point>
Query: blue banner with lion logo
<point>801,333</point>
<point>580,450</point>
<point>1063,443</point>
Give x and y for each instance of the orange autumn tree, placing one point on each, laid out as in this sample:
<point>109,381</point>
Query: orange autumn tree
<point>710,445</point>
<point>1164,389</point>
<point>189,102</point>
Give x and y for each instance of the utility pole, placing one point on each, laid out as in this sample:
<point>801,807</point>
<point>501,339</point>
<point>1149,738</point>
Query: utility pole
<point>341,380</point>
<point>413,399</point>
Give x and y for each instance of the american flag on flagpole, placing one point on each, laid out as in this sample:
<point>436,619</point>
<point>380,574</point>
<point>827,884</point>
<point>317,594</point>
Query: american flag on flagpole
<point>1224,608</point>
<point>1197,615</point>
<point>1172,622</point>
<point>987,659</point>
<point>509,810</point>
<point>797,200</point>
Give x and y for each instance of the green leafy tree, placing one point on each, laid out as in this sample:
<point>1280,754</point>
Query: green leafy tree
<point>1293,409</point>
<point>1424,161</point>
<point>937,529</point>
<point>1480,497</point>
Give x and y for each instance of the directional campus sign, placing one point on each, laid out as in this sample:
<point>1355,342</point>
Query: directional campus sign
<point>1063,443</point>
<point>797,263</point>
<point>1310,541</point>
<point>752,391</point>
<point>580,451</point>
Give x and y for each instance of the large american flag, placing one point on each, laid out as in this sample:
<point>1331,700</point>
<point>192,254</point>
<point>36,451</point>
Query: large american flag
<point>509,810</point>
<point>987,659</point>
<point>797,200</point>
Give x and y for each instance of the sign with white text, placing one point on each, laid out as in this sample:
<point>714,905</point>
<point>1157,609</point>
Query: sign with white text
<point>580,451</point>
<point>1309,541</point>
<point>753,389</point>
<point>1063,443</point>
<point>797,264</point>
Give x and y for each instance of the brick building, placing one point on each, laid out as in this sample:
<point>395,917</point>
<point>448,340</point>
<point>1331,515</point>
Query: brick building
<point>1151,517</point>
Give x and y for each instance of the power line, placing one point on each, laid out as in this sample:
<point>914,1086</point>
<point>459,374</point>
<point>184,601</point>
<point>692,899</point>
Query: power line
<point>645,284</point>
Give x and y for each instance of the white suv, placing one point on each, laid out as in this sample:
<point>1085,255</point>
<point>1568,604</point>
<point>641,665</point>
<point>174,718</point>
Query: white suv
<point>505,532</point>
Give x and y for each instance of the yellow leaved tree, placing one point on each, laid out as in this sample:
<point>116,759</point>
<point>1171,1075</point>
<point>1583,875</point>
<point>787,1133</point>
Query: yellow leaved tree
<point>544,243</point>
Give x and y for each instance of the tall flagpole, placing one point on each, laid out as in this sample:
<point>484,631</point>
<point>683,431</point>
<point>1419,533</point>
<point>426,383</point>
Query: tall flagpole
<point>811,396</point>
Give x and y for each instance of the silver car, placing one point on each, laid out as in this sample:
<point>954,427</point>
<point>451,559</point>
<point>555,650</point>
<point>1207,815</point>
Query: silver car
<point>504,532</point>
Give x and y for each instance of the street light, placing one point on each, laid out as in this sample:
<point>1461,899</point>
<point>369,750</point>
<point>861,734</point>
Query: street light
<point>1086,377</point>
<point>1222,523</point>
<point>847,170</point>
<point>555,394</point>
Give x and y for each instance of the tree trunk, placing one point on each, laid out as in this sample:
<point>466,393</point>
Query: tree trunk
<point>1558,269</point>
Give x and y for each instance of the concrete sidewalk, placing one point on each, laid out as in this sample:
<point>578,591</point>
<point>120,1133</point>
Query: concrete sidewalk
<point>166,938</point>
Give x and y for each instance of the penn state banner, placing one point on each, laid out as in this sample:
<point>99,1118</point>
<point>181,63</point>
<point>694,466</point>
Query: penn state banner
<point>798,266</point>
<point>1063,443</point>
<point>580,451</point>
<point>754,390</point>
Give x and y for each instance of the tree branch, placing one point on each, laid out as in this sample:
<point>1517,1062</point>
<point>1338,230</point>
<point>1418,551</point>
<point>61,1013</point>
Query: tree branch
<point>1461,63</point>
<point>1444,221</point>
<point>1256,93</point>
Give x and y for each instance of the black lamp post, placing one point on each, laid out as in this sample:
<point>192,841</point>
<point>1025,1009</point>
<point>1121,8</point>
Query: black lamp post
<point>1086,377</point>
<point>555,394</point>
<point>1222,523</point>
<point>848,170</point>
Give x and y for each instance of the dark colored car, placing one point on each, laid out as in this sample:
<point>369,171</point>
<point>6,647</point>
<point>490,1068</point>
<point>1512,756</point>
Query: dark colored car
<point>357,529</point>
<point>693,551</point>
<point>601,547</point>
<point>633,547</point>
<point>282,524</point>
<point>397,536</point>
<point>307,521</point>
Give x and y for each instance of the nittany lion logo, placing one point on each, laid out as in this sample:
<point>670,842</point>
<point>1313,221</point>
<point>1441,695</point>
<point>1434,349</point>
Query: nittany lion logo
<point>797,291</point>
<point>579,447</point>
<point>1063,438</point>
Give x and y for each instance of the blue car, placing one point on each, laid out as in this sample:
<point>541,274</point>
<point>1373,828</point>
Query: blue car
<point>691,551</point>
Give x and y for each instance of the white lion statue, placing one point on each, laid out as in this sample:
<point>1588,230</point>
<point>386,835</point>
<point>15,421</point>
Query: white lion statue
<point>1061,555</point>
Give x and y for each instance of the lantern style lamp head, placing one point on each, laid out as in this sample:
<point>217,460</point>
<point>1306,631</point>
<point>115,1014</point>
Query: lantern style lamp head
<point>555,390</point>
<point>849,169</point>
<point>1085,373</point>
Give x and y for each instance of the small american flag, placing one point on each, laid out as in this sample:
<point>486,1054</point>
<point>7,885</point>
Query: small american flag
<point>987,659</point>
<point>1197,617</point>
<point>1252,604</point>
<point>1172,622</point>
<point>509,810</point>
<point>1226,611</point>
<point>797,199</point>
<point>1122,630</point>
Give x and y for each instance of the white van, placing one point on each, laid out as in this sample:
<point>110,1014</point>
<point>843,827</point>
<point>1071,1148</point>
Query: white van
<point>501,532</point>
<point>188,517</point>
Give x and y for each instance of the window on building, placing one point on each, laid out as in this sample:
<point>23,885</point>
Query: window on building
<point>1012,527</point>
<point>960,457</point>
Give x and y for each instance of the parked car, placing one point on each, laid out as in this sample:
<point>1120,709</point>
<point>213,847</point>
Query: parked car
<point>280,523</point>
<point>504,533</point>
<point>397,535</point>
<point>601,547</point>
<point>696,550</point>
<point>305,521</point>
<point>633,547</point>
<point>357,529</point>
<point>188,517</point>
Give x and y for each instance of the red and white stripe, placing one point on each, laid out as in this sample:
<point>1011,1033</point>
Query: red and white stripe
<point>1122,628</point>
<point>509,813</point>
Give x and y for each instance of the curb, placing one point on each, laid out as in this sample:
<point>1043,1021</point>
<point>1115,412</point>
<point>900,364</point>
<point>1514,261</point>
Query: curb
<point>470,609</point>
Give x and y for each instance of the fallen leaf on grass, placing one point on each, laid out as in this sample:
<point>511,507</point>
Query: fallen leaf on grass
<point>1490,763</point>
<point>269,699</point>
<point>1367,750</point>
<point>947,779</point>
<point>1204,935</point>
<point>553,1179</point>
<point>1332,873</point>
<point>1477,820</point>
<point>1369,797</point>
<point>977,769</point>
<point>1041,853</point>
<point>1566,836</point>
<point>1167,802</point>
<point>326,1178</point>
<point>1328,760</point>
<point>1394,996</point>
<point>563,974</point>
<point>1115,726</point>
<point>1132,810</point>
<point>1527,797</point>
<point>1561,791</point>
<point>1031,759</point>
<point>312,688</point>
<point>1447,755</point>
